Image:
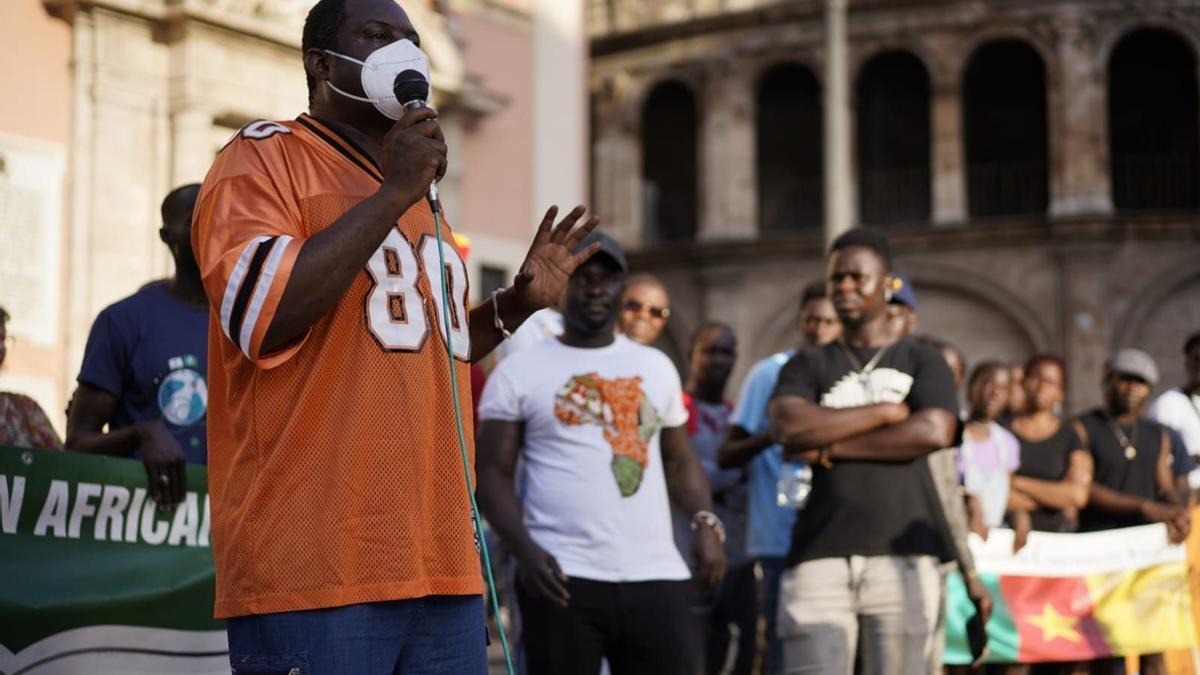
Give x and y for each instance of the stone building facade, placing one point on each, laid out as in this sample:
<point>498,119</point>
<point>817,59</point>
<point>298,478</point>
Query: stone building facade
<point>111,103</point>
<point>1035,162</point>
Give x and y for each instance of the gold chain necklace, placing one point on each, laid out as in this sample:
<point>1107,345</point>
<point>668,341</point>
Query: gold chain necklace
<point>1129,446</point>
<point>863,372</point>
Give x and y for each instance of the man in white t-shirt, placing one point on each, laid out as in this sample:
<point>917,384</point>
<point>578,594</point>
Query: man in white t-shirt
<point>1179,408</point>
<point>598,422</point>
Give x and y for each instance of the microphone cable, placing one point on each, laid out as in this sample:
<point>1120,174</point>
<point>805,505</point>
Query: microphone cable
<point>436,207</point>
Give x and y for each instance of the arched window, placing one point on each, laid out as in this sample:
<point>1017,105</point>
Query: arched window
<point>1005,123</point>
<point>893,140</point>
<point>790,191</point>
<point>1152,117</point>
<point>669,164</point>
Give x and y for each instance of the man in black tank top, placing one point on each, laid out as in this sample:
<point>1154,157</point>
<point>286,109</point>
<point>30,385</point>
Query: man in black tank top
<point>864,411</point>
<point>1133,482</point>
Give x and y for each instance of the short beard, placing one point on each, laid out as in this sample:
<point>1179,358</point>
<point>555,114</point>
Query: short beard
<point>584,325</point>
<point>1118,406</point>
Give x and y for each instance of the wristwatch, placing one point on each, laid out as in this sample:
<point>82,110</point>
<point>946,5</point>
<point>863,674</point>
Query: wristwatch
<point>709,519</point>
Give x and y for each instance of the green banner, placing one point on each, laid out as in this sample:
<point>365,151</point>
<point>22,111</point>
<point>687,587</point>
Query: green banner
<point>96,578</point>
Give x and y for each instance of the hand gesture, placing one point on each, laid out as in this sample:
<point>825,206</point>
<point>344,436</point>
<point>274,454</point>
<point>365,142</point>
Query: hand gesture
<point>539,574</point>
<point>414,155</point>
<point>1174,517</point>
<point>977,624</point>
<point>979,595</point>
<point>552,260</point>
<point>811,456</point>
<point>708,558</point>
<point>975,521</point>
<point>165,463</point>
<point>1022,524</point>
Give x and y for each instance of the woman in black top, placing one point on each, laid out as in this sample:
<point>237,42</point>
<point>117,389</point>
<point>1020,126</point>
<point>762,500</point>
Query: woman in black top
<point>1052,483</point>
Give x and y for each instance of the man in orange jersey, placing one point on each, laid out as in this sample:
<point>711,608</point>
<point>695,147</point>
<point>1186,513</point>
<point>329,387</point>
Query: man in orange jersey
<point>342,530</point>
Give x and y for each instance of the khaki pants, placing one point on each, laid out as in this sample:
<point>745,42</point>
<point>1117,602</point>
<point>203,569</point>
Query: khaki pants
<point>888,604</point>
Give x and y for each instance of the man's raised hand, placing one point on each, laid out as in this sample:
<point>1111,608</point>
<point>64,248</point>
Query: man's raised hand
<point>552,259</point>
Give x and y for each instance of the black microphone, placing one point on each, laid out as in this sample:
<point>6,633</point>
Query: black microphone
<point>412,91</point>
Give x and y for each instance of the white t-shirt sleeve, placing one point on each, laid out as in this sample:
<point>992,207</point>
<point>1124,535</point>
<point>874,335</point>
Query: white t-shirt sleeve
<point>1166,409</point>
<point>500,400</point>
<point>1176,410</point>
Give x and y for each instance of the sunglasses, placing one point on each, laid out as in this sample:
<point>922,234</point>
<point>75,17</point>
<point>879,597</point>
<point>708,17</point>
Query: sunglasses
<point>636,307</point>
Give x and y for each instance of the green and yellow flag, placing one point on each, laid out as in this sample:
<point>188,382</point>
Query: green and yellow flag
<point>1068,597</point>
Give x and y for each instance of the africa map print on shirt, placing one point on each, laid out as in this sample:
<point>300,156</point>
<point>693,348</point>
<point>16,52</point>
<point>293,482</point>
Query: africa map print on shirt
<point>628,420</point>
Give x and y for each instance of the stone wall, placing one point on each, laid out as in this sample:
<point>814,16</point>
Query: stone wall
<point>1077,293</point>
<point>156,88</point>
<point>1080,279</point>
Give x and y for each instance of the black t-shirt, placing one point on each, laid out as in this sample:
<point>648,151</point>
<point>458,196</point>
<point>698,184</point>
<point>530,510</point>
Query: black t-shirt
<point>1048,459</point>
<point>1117,472</point>
<point>869,508</point>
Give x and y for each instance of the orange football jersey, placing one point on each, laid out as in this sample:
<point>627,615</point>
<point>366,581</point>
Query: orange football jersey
<point>334,468</point>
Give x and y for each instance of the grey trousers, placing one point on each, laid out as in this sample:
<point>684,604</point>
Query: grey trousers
<point>890,602</point>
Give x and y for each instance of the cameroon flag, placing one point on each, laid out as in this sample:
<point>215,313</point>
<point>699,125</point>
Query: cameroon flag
<point>1069,597</point>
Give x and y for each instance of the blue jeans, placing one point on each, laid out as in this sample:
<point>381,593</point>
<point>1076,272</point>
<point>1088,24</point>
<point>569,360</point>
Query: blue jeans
<point>433,635</point>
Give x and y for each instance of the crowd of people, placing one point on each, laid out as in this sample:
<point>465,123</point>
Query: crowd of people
<point>847,474</point>
<point>648,522</point>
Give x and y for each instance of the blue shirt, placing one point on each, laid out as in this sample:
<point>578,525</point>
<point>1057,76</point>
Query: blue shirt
<point>769,527</point>
<point>151,352</point>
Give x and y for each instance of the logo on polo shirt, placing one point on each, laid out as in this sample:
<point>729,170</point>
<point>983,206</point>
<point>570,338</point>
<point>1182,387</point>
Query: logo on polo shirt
<point>183,394</point>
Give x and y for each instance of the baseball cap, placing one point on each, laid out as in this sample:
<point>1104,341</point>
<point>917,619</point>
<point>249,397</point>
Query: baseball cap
<point>1133,362</point>
<point>902,291</point>
<point>608,247</point>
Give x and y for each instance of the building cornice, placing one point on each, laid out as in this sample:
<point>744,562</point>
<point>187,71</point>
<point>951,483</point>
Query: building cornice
<point>278,22</point>
<point>775,13</point>
<point>1036,232</point>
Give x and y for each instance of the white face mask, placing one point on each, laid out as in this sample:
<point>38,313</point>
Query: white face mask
<point>379,73</point>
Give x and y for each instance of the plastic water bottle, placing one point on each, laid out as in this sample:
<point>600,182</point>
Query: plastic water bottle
<point>795,483</point>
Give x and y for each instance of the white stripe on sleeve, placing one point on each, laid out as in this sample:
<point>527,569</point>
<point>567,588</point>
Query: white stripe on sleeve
<point>260,291</point>
<point>235,282</point>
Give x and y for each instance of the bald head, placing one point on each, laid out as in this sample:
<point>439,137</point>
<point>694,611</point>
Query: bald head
<point>176,231</point>
<point>177,207</point>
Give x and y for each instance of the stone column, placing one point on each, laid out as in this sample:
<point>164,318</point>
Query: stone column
<point>839,203</point>
<point>560,115</point>
<point>617,166</point>
<point>191,135</point>
<point>1080,177</point>
<point>120,165</point>
<point>948,153</point>
<point>727,181</point>
<point>1084,325</point>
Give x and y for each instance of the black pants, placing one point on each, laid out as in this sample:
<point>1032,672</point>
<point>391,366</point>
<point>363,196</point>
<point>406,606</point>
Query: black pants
<point>733,603</point>
<point>640,627</point>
